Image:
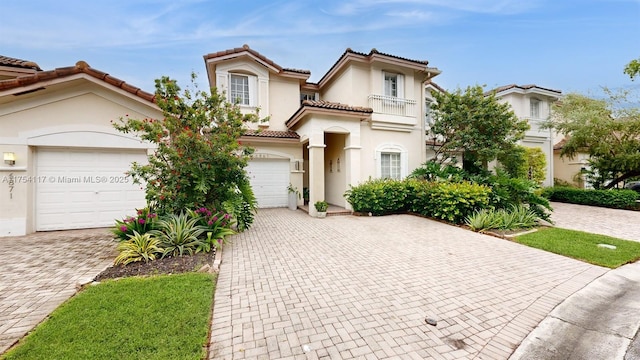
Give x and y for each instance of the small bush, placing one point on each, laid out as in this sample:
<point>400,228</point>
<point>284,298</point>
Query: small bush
<point>379,197</point>
<point>178,234</point>
<point>518,217</point>
<point>614,198</point>
<point>139,247</point>
<point>215,224</point>
<point>143,222</point>
<point>242,205</point>
<point>451,202</point>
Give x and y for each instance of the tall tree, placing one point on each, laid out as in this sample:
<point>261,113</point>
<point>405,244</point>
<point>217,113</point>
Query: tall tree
<point>198,160</point>
<point>606,129</point>
<point>633,68</point>
<point>475,124</point>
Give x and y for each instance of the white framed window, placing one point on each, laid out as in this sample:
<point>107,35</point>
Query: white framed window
<point>309,96</point>
<point>392,161</point>
<point>242,89</point>
<point>390,167</point>
<point>535,108</point>
<point>393,84</point>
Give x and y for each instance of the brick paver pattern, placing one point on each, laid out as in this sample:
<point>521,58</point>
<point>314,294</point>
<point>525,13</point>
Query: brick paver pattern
<point>623,224</point>
<point>38,272</point>
<point>361,287</point>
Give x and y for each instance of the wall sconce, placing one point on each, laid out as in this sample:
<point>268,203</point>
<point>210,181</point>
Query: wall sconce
<point>330,166</point>
<point>10,158</point>
<point>297,166</point>
<point>338,164</point>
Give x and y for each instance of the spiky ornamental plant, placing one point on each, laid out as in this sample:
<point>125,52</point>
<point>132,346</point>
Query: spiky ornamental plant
<point>199,159</point>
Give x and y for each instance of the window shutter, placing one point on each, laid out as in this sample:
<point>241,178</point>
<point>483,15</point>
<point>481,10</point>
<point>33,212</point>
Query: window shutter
<point>253,90</point>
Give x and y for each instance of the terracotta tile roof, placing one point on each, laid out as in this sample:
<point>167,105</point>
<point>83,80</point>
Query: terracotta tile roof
<point>369,56</point>
<point>19,63</point>
<point>560,144</point>
<point>375,51</point>
<point>441,89</point>
<point>523,87</point>
<point>334,105</point>
<point>326,106</point>
<point>80,67</point>
<point>272,134</point>
<point>246,48</point>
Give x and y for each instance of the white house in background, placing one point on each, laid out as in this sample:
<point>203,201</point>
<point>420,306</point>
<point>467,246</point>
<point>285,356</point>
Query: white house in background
<point>533,103</point>
<point>363,119</point>
<point>63,163</point>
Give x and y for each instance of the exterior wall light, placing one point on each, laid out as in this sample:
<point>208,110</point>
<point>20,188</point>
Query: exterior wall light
<point>9,158</point>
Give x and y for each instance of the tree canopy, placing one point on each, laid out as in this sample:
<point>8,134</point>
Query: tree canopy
<point>633,68</point>
<point>475,124</point>
<point>606,129</point>
<point>198,160</point>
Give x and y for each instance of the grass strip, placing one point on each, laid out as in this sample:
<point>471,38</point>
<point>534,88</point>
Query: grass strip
<point>583,246</point>
<point>160,317</point>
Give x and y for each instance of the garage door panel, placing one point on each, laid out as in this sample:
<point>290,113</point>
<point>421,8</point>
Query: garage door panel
<point>269,179</point>
<point>82,187</point>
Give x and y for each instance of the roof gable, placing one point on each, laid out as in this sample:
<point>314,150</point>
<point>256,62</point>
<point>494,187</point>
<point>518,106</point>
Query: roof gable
<point>246,51</point>
<point>30,82</point>
<point>525,89</point>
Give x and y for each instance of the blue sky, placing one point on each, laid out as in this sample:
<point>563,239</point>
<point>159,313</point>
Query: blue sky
<point>570,45</point>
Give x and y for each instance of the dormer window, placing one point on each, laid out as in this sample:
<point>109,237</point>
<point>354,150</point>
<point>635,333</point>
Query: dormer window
<point>535,108</point>
<point>393,85</point>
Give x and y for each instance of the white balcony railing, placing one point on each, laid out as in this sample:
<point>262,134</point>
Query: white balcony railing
<point>392,105</point>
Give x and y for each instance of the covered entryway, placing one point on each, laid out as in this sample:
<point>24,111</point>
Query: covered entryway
<point>269,179</point>
<point>85,188</point>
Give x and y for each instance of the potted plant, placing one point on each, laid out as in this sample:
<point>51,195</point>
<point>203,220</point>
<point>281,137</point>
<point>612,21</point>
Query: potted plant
<point>305,195</point>
<point>321,207</point>
<point>294,195</point>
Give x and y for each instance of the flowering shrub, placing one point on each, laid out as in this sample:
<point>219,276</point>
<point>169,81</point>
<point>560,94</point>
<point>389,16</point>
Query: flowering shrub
<point>215,224</point>
<point>143,222</point>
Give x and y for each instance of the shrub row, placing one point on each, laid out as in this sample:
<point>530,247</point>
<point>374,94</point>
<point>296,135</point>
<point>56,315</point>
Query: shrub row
<point>617,199</point>
<point>448,201</point>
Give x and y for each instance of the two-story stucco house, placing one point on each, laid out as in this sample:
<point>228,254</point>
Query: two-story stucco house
<point>363,119</point>
<point>533,103</point>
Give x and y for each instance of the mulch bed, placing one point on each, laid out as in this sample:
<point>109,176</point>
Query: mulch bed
<point>169,265</point>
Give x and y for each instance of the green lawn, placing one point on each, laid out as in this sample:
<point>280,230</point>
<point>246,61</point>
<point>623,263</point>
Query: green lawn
<point>161,317</point>
<point>583,246</point>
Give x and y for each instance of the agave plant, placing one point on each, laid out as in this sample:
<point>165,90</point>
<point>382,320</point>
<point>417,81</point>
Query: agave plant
<point>178,234</point>
<point>139,247</point>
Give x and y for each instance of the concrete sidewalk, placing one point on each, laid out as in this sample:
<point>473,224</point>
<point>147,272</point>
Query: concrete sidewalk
<point>600,321</point>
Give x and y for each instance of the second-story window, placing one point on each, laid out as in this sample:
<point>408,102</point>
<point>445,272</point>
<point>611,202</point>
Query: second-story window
<point>535,108</point>
<point>393,85</point>
<point>239,89</point>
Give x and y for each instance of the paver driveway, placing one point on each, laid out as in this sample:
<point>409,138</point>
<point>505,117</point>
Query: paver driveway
<point>623,224</point>
<point>40,271</point>
<point>361,287</point>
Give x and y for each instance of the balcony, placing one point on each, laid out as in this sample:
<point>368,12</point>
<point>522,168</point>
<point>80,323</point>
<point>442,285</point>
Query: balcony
<point>392,105</point>
<point>393,113</point>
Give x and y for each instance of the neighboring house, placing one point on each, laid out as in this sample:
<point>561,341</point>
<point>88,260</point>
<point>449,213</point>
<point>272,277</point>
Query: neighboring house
<point>533,103</point>
<point>365,118</point>
<point>69,162</point>
<point>569,169</point>
<point>11,68</point>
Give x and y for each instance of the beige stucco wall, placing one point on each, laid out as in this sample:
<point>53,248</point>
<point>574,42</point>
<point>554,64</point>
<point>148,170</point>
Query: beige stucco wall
<point>567,169</point>
<point>76,114</point>
<point>285,102</point>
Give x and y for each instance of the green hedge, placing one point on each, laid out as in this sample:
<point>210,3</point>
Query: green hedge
<point>452,202</point>
<point>615,198</point>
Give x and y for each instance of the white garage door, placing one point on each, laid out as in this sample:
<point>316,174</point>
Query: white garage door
<point>85,188</point>
<point>269,180</point>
